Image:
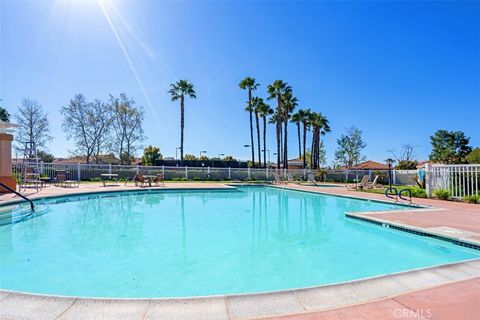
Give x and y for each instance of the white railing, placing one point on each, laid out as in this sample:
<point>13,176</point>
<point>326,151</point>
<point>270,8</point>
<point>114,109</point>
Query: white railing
<point>77,171</point>
<point>459,179</point>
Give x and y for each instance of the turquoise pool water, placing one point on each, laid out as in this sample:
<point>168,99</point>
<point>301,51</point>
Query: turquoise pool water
<point>191,243</point>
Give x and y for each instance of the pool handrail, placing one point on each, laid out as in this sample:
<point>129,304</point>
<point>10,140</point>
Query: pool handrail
<point>32,206</point>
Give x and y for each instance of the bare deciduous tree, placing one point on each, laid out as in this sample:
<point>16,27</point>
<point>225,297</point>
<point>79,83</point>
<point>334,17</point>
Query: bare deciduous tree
<point>406,153</point>
<point>127,127</point>
<point>87,123</point>
<point>405,157</point>
<point>33,125</point>
<point>101,119</point>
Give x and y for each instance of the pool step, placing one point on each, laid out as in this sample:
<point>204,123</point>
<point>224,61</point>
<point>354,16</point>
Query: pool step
<point>18,213</point>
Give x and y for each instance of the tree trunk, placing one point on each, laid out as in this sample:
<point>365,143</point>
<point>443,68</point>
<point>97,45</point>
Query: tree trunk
<point>182,125</point>
<point>251,126</point>
<point>265,141</point>
<point>318,148</point>
<point>304,145</point>
<point>285,142</point>
<point>299,143</point>
<point>281,144</point>
<point>279,127</point>
<point>312,151</point>
<point>258,139</point>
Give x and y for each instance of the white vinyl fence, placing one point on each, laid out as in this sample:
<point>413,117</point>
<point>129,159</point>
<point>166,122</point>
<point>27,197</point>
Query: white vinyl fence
<point>94,171</point>
<point>459,179</point>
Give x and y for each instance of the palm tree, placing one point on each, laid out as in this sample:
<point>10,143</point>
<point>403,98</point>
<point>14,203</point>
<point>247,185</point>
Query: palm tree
<point>320,126</point>
<point>324,128</point>
<point>289,104</point>
<point>276,90</point>
<point>313,123</point>
<point>249,84</point>
<point>180,90</point>
<point>4,115</point>
<point>255,106</point>
<point>296,120</point>
<point>264,111</point>
<point>305,115</point>
<point>299,118</point>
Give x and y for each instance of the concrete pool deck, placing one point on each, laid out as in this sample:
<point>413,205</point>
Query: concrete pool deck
<point>440,289</point>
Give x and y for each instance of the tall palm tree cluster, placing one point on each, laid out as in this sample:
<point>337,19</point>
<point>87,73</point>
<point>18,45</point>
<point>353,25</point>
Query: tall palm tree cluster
<point>282,93</point>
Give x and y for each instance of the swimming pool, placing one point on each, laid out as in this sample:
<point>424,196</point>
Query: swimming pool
<point>173,243</point>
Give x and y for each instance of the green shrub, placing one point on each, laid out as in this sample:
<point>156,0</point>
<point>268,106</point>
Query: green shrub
<point>441,194</point>
<point>472,199</point>
<point>418,192</point>
<point>179,179</point>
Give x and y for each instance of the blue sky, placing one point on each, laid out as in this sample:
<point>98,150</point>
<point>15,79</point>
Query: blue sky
<point>396,70</point>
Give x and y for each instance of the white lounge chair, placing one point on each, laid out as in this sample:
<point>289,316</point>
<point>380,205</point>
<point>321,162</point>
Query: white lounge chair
<point>373,184</point>
<point>362,184</point>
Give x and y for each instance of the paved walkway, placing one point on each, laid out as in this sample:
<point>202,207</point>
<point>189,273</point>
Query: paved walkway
<point>458,300</point>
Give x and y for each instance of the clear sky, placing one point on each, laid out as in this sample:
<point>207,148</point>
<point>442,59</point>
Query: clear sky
<point>396,70</point>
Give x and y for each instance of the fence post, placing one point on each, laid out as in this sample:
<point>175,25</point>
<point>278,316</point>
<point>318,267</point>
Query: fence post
<point>394,176</point>
<point>109,168</point>
<point>428,187</point>
<point>163,171</point>
<point>248,172</point>
<point>41,167</point>
<point>229,174</point>
<point>78,171</point>
<point>266,172</point>
<point>186,173</point>
<point>346,176</point>
<point>137,169</point>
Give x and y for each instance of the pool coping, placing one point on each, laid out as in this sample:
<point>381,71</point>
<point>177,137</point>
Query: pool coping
<point>134,189</point>
<point>457,240</point>
<point>237,306</point>
<point>248,305</point>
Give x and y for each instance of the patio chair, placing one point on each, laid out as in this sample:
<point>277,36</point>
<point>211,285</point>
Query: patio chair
<point>373,184</point>
<point>290,178</point>
<point>62,180</point>
<point>362,184</point>
<point>278,179</point>
<point>139,179</point>
<point>270,179</point>
<point>311,178</point>
<point>160,180</point>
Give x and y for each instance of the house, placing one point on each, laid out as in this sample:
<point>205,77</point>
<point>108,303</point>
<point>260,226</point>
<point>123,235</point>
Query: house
<point>421,164</point>
<point>296,163</point>
<point>367,165</point>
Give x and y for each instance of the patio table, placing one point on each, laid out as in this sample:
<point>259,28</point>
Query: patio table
<point>109,179</point>
<point>150,178</point>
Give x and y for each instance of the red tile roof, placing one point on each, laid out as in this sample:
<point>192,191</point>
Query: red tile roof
<point>369,165</point>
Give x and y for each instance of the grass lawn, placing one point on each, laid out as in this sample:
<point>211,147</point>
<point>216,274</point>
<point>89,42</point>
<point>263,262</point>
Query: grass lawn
<point>417,192</point>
